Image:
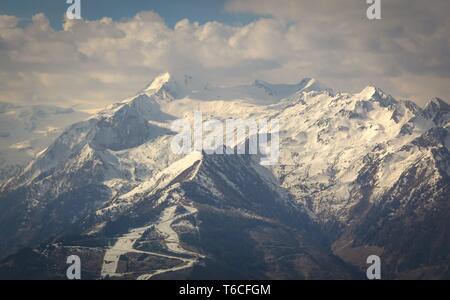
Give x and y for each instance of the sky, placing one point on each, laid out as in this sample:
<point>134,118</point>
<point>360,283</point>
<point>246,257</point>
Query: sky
<point>171,10</point>
<point>119,46</point>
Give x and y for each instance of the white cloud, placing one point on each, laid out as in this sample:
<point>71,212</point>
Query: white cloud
<point>99,62</point>
<point>407,52</point>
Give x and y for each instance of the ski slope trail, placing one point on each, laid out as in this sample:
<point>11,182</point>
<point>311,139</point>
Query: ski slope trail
<point>125,244</point>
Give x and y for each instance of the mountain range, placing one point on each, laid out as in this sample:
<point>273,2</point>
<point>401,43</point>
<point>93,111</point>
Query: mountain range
<point>358,174</point>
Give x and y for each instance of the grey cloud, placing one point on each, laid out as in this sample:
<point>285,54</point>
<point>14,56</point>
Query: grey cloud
<point>412,39</point>
<point>99,62</point>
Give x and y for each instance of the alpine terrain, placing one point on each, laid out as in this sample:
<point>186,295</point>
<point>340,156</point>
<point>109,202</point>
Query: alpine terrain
<point>358,175</point>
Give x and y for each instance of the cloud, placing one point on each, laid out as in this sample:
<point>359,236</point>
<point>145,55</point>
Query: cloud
<point>340,45</point>
<point>99,62</point>
<point>94,63</point>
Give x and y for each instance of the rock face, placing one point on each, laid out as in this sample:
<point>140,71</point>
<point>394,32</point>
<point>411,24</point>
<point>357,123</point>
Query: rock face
<point>358,174</point>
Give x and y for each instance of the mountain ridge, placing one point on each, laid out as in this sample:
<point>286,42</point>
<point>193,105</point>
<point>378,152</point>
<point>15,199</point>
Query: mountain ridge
<point>342,158</point>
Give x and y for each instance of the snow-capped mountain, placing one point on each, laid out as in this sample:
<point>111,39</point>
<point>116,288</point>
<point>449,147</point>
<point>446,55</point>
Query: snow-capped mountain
<point>168,87</point>
<point>358,174</point>
<point>27,130</point>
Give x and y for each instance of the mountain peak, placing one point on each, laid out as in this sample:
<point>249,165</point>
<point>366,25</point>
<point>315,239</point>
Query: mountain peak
<point>158,82</point>
<point>307,81</point>
<point>437,103</point>
<point>438,110</point>
<point>371,91</point>
<point>168,86</point>
<point>287,91</point>
<point>303,84</point>
<point>311,84</point>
